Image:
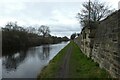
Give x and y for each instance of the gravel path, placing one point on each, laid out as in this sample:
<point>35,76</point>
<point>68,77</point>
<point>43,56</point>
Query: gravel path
<point>64,65</point>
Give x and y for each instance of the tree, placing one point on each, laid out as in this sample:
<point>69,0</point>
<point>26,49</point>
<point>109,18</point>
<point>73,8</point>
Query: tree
<point>78,34</point>
<point>31,29</point>
<point>65,38</point>
<point>73,36</point>
<point>93,11</point>
<point>44,30</point>
<point>10,25</point>
<point>13,27</point>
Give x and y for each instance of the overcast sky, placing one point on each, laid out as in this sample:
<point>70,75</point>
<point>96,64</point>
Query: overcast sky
<point>59,16</point>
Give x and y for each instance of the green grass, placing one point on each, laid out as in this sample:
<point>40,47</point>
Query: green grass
<point>83,67</point>
<point>80,65</point>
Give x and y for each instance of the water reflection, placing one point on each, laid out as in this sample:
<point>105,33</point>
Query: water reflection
<point>11,62</point>
<point>45,52</point>
<point>28,63</point>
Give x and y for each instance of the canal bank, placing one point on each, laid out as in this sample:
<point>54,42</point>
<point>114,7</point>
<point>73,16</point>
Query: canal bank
<point>71,63</point>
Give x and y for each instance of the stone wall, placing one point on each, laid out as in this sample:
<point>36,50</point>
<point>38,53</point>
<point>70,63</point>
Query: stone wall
<point>102,43</point>
<point>84,41</point>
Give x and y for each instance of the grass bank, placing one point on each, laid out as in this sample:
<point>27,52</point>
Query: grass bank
<point>79,65</point>
<point>83,67</point>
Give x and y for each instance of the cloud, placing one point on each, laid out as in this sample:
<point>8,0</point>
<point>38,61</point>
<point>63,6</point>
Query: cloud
<point>65,30</point>
<point>52,19</point>
<point>60,17</point>
<point>40,1</point>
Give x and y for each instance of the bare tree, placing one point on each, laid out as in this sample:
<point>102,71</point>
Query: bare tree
<point>93,11</point>
<point>10,25</point>
<point>31,29</point>
<point>44,30</point>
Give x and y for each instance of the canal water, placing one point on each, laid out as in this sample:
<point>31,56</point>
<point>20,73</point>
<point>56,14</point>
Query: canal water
<point>29,63</point>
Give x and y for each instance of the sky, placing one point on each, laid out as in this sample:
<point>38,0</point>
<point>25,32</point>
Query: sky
<point>60,16</point>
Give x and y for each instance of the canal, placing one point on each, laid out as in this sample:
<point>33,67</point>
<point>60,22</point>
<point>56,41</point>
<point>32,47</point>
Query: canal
<point>29,63</point>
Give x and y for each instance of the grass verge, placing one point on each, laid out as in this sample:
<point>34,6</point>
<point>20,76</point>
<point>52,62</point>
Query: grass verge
<point>83,67</point>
